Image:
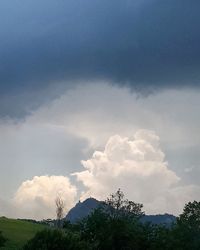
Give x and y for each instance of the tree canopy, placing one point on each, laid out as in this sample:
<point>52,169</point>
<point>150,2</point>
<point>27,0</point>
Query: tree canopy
<point>117,225</point>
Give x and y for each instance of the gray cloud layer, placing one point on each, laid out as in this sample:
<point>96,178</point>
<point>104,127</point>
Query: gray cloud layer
<point>147,44</point>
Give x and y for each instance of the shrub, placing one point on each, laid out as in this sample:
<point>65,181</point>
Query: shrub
<point>2,240</point>
<point>54,239</point>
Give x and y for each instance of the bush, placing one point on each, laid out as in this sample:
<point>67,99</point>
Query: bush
<point>2,240</point>
<point>54,239</point>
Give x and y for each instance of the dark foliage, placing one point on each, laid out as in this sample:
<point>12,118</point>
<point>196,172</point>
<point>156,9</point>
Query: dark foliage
<point>53,239</point>
<point>117,225</point>
<point>187,230</point>
<point>117,206</point>
<point>2,240</point>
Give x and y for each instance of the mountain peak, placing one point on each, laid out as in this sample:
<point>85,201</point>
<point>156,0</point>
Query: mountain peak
<point>85,208</point>
<point>82,209</point>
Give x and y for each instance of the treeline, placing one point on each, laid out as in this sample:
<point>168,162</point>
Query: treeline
<point>117,225</point>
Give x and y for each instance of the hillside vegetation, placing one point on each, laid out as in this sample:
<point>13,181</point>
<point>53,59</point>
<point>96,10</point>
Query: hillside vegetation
<point>18,232</point>
<point>116,225</point>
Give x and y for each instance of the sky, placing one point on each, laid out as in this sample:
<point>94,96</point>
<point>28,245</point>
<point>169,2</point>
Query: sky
<point>97,95</point>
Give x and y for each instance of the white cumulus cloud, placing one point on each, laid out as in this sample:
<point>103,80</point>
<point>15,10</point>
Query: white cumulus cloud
<point>138,167</point>
<point>36,198</point>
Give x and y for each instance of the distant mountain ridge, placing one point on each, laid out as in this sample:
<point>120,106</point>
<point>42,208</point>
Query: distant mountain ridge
<point>83,209</point>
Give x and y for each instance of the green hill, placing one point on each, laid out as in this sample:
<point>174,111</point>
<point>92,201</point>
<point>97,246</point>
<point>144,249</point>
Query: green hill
<point>18,232</point>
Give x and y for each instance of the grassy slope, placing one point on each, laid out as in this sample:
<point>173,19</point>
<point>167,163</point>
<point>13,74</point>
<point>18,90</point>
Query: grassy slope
<point>18,232</point>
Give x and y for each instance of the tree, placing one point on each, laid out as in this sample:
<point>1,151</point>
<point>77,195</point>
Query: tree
<point>160,237</point>
<point>60,205</point>
<point>105,232</point>
<point>118,206</point>
<point>187,230</point>
<point>191,215</point>
<point>116,225</point>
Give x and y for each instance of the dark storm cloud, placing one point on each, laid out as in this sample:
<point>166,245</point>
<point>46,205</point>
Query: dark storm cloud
<point>143,44</point>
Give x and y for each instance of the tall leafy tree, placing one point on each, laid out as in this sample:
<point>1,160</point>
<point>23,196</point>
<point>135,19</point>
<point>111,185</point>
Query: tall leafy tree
<point>115,225</point>
<point>117,206</point>
<point>187,230</point>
